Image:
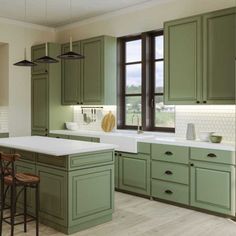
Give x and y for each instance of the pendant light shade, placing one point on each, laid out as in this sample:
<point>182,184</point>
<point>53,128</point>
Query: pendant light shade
<point>25,62</point>
<point>46,59</point>
<point>70,55</point>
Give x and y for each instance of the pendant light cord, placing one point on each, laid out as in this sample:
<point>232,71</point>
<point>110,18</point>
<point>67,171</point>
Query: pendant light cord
<point>70,23</point>
<point>25,32</point>
<point>46,21</point>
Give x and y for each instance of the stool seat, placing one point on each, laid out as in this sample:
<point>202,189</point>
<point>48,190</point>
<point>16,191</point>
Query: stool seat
<point>22,179</point>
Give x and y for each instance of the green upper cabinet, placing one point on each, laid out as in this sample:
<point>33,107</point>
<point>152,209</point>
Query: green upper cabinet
<point>71,77</point>
<point>40,103</point>
<point>93,81</point>
<point>183,71</point>
<point>199,59</point>
<point>219,55</point>
<point>46,109</point>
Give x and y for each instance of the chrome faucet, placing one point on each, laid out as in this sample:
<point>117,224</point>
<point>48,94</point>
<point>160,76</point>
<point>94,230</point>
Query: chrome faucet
<point>139,130</point>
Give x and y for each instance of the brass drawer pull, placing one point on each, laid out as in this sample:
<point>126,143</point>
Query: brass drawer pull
<point>168,172</point>
<point>168,153</point>
<point>211,155</point>
<point>168,191</point>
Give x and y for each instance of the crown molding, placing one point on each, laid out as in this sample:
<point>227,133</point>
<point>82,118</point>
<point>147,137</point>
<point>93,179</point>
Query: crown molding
<point>26,24</point>
<point>112,14</point>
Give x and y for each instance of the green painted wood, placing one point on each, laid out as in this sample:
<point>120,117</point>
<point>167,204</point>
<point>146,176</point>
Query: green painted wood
<point>87,159</point>
<point>71,77</point>
<point>38,51</point>
<point>6,150</point>
<point>144,148</point>
<point>116,170</point>
<point>213,187</point>
<point>40,103</point>
<point>219,56</point>
<point>96,140</point>
<point>134,173</point>
<point>4,135</point>
<point>26,167</point>
<point>56,161</point>
<point>170,153</point>
<point>212,155</point>
<point>91,194</point>
<point>26,156</point>
<point>183,61</point>
<point>170,172</point>
<point>170,191</point>
<point>46,108</point>
<point>53,194</point>
<point>59,136</point>
<point>80,138</point>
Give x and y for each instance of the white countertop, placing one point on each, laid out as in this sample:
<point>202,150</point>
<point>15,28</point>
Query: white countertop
<point>52,146</point>
<point>123,138</point>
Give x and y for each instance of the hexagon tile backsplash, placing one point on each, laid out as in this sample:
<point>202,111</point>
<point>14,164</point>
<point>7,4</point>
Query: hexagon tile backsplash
<point>216,118</point>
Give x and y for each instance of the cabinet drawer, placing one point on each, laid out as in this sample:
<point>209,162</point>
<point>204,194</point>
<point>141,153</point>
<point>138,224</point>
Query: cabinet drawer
<point>212,155</point>
<point>26,155</point>
<point>170,172</point>
<point>81,138</point>
<point>144,148</point>
<point>6,150</point>
<point>170,153</point>
<point>170,191</point>
<point>59,136</point>
<point>56,161</point>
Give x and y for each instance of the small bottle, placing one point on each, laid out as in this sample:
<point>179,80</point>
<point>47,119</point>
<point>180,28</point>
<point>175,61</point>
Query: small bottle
<point>190,134</point>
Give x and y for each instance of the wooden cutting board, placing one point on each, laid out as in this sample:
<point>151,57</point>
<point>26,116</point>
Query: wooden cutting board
<point>108,122</point>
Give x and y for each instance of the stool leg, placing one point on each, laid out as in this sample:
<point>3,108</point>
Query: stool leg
<point>37,209</point>
<point>13,196</point>
<point>25,209</point>
<point>2,204</point>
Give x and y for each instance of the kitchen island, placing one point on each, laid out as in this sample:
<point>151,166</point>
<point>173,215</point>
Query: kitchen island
<point>76,180</point>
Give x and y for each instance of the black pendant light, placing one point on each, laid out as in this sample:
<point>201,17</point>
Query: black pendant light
<point>71,55</point>
<point>25,62</point>
<point>46,59</point>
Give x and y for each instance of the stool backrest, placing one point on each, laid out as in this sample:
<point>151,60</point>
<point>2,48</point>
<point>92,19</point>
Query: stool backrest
<point>7,164</point>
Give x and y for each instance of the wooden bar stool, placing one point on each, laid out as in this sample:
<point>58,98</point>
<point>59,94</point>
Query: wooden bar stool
<point>17,181</point>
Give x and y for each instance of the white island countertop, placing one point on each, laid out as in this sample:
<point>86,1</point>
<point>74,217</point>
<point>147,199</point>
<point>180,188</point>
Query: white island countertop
<point>52,146</point>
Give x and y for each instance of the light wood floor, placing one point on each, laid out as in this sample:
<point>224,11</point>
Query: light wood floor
<point>135,216</point>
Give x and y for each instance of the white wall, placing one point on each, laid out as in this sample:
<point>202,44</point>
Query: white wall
<point>4,74</point>
<point>17,35</point>
<point>150,17</point>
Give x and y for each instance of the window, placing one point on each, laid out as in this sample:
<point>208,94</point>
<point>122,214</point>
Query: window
<point>141,80</point>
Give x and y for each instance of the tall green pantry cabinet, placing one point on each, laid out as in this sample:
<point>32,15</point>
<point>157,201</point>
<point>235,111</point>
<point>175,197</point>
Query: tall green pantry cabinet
<point>46,109</point>
<point>199,59</point>
<point>93,81</point>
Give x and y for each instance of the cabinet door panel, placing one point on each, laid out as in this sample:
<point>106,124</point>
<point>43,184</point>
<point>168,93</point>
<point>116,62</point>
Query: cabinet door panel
<point>53,194</point>
<point>37,52</point>
<point>40,103</point>
<point>71,77</point>
<point>92,71</point>
<point>219,55</point>
<point>183,61</point>
<point>212,188</point>
<point>134,174</point>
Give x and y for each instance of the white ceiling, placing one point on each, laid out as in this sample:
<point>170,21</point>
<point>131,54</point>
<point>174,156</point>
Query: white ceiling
<point>59,10</point>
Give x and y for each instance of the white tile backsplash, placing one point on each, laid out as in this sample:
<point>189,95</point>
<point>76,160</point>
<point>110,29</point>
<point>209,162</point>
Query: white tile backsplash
<point>3,119</point>
<point>96,119</point>
<point>216,118</point>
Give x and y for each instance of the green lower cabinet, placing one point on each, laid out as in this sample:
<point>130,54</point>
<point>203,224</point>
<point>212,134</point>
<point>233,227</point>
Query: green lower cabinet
<point>84,138</point>
<point>59,136</point>
<point>170,191</point>
<point>213,187</point>
<point>53,195</point>
<point>4,135</point>
<point>116,171</point>
<point>134,173</point>
<point>90,196</point>
<point>26,167</point>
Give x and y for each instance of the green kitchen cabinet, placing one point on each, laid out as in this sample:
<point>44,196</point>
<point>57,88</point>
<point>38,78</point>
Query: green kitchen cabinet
<point>213,187</point>
<point>4,135</point>
<point>134,173</point>
<point>92,80</point>
<point>116,171</point>
<point>71,77</point>
<point>219,31</point>
<point>84,138</point>
<point>183,55</point>
<point>199,59</point>
<point>46,109</point>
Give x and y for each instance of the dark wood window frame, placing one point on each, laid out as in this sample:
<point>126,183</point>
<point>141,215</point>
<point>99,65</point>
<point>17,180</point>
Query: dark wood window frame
<point>148,82</point>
